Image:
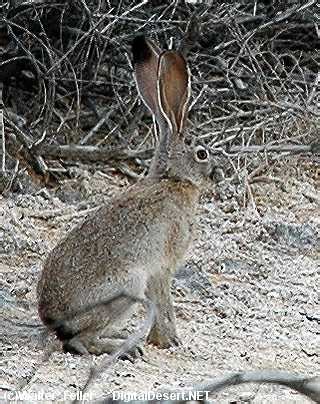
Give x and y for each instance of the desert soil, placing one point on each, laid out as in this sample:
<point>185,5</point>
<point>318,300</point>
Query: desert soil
<point>247,297</point>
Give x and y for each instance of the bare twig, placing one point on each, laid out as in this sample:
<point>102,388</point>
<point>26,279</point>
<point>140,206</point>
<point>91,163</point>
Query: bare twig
<point>309,386</point>
<point>275,148</point>
<point>91,153</point>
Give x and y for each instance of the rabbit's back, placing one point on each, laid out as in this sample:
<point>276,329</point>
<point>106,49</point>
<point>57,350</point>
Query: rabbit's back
<point>146,229</point>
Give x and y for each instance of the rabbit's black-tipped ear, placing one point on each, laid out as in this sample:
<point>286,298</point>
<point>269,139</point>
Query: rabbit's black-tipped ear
<point>145,62</point>
<point>174,89</point>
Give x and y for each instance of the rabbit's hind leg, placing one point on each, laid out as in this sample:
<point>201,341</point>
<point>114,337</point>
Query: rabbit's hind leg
<point>91,343</point>
<point>96,328</point>
<point>97,334</point>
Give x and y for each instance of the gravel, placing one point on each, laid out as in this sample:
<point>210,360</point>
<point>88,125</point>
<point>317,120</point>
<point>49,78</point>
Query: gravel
<point>247,297</point>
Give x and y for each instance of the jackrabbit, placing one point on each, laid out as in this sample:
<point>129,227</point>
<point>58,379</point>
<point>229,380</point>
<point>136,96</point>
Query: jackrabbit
<point>135,242</point>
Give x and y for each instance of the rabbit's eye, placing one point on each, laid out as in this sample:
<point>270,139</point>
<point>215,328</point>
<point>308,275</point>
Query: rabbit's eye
<point>201,154</point>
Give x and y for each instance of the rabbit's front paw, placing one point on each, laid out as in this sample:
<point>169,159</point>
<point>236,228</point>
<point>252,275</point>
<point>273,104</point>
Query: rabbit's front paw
<point>132,355</point>
<point>163,339</point>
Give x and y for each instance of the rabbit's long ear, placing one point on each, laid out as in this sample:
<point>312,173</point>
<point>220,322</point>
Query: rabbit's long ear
<point>174,90</point>
<point>145,62</point>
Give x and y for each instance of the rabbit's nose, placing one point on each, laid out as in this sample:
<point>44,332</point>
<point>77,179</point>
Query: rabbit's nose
<point>216,174</point>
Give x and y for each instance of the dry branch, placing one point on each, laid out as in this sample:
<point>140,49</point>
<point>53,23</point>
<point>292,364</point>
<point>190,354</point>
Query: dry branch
<point>308,386</point>
<point>91,153</point>
<point>66,73</point>
<point>313,148</point>
<point>33,156</point>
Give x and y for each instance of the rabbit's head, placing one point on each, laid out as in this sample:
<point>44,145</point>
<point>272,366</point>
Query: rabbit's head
<point>163,82</point>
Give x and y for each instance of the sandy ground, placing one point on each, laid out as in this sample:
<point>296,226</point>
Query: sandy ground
<point>246,299</point>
